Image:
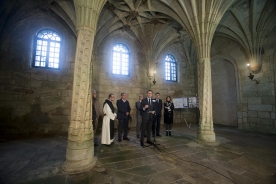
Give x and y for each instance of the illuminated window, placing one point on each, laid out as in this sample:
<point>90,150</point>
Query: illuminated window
<point>170,68</point>
<point>120,64</point>
<point>46,49</point>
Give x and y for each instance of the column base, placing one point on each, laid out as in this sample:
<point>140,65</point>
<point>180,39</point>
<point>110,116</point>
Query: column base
<point>207,136</point>
<point>73,167</point>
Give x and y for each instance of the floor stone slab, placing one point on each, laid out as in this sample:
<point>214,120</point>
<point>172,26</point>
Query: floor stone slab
<point>241,156</point>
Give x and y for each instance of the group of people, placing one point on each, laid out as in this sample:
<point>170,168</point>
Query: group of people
<point>148,115</point>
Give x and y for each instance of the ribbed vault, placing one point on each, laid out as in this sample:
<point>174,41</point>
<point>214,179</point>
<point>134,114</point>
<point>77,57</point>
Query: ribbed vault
<point>248,23</point>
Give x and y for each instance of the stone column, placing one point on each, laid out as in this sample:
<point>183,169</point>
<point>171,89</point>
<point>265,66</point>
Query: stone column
<point>80,148</point>
<point>205,129</point>
<point>200,21</point>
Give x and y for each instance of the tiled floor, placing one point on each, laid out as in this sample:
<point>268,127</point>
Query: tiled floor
<point>241,157</point>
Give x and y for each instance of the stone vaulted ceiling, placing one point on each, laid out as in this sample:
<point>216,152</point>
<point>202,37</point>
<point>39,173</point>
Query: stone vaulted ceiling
<point>153,30</point>
<point>157,23</point>
<point>248,23</point>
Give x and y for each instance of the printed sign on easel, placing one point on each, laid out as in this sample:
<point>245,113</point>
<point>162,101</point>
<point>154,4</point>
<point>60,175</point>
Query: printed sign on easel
<point>193,102</point>
<point>180,103</point>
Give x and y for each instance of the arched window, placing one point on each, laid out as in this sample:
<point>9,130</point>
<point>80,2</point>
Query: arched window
<point>120,64</point>
<point>46,49</point>
<point>170,68</point>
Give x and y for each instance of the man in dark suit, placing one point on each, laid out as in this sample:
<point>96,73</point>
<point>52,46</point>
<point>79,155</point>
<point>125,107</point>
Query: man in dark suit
<point>147,109</point>
<point>158,114</point>
<point>138,116</point>
<point>123,116</point>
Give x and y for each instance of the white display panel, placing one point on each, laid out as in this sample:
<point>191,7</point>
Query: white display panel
<point>193,102</point>
<point>180,103</point>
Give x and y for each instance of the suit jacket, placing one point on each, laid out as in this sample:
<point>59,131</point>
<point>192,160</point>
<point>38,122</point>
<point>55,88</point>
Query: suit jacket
<point>158,107</point>
<point>145,115</point>
<point>123,107</point>
<point>137,105</point>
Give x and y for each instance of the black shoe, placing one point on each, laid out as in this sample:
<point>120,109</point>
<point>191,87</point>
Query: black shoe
<point>170,133</point>
<point>119,140</point>
<point>126,138</point>
<point>145,135</point>
<point>158,135</point>
<point>167,133</point>
<point>95,144</point>
<point>142,144</point>
<point>149,142</point>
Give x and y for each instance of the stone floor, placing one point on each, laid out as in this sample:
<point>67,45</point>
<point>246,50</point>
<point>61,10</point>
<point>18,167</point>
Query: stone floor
<point>241,157</point>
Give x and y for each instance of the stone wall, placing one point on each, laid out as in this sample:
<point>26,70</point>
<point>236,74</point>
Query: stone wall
<point>39,100</point>
<point>256,102</point>
<point>34,99</point>
<point>138,83</point>
<point>224,92</point>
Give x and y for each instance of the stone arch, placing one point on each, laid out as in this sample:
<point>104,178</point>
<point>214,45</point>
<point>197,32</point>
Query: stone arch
<point>225,100</point>
<point>234,63</point>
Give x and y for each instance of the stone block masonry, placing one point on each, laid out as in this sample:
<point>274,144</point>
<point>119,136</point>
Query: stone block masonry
<point>256,102</point>
<point>260,103</point>
<point>34,100</point>
<point>105,82</point>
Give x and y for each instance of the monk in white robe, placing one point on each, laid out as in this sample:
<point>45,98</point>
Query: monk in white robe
<point>108,121</point>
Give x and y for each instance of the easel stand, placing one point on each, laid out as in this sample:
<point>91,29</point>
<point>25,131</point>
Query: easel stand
<point>183,117</point>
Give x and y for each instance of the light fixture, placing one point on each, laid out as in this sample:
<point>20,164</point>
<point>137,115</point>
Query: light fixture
<point>154,81</point>
<point>251,76</point>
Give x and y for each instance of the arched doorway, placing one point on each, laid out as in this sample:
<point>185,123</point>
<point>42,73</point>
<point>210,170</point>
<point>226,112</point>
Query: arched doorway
<point>224,89</point>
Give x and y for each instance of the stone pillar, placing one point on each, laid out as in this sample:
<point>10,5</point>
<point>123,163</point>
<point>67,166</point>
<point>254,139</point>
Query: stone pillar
<point>205,129</point>
<point>80,148</point>
<point>200,21</point>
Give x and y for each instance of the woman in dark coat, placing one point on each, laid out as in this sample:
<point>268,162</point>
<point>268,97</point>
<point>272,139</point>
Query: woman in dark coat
<point>168,115</point>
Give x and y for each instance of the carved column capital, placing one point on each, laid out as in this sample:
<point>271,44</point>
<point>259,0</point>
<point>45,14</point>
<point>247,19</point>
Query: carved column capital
<point>87,13</point>
<point>256,59</point>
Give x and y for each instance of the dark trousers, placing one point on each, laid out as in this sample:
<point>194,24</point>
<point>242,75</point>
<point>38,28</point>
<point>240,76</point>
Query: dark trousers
<point>111,126</point>
<point>156,125</point>
<point>123,123</point>
<point>95,124</point>
<point>146,126</point>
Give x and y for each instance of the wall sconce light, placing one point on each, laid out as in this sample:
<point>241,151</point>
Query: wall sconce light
<point>154,81</point>
<point>251,77</point>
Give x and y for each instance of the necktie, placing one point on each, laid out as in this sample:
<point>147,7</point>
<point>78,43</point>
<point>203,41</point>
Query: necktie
<point>157,101</point>
<point>149,102</point>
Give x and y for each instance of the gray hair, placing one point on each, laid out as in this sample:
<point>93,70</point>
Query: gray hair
<point>94,91</point>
